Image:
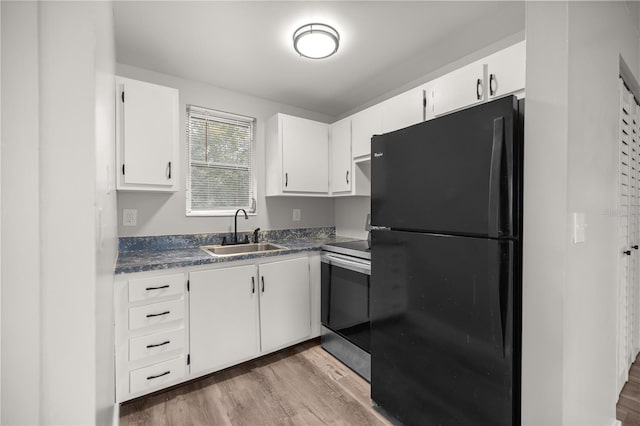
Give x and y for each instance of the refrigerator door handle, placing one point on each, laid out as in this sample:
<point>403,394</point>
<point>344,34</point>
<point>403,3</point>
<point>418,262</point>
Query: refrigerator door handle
<point>494,177</point>
<point>504,297</point>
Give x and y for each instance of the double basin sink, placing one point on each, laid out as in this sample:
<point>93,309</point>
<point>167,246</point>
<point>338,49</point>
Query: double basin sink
<point>237,249</point>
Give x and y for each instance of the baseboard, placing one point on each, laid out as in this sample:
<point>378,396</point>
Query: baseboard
<point>116,415</point>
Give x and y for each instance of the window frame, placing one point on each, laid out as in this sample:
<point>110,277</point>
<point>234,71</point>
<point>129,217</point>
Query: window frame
<point>223,115</point>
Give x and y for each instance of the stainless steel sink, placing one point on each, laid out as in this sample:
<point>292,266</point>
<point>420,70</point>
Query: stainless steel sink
<point>229,250</point>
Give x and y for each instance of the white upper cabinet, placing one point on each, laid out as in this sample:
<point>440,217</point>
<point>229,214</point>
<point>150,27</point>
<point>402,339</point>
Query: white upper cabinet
<point>147,128</point>
<point>365,124</point>
<point>458,89</point>
<point>403,110</point>
<point>506,70</point>
<point>340,163</point>
<point>297,156</point>
<point>496,75</point>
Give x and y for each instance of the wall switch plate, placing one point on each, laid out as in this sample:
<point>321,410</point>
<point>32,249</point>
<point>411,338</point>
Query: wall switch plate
<point>297,214</point>
<point>579,228</point>
<point>129,217</point>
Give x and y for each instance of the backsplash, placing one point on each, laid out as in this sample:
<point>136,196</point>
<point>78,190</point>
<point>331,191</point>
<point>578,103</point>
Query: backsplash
<point>168,242</point>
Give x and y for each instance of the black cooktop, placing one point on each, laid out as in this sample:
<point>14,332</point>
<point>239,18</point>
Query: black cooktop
<point>357,248</point>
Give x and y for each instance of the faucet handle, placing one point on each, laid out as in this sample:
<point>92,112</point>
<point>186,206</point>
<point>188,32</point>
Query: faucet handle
<point>246,239</point>
<point>255,235</point>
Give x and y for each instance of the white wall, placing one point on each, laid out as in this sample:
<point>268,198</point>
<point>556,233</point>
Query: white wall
<point>106,209</point>
<point>164,214</point>
<point>571,152</point>
<point>74,39</point>
<point>58,63</point>
<point>599,33</point>
<point>351,214</point>
<point>20,215</point>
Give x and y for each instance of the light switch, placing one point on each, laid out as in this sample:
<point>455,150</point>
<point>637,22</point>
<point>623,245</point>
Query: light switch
<point>579,228</point>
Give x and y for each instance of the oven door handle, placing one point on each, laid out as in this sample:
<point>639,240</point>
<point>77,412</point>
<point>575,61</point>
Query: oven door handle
<point>364,268</point>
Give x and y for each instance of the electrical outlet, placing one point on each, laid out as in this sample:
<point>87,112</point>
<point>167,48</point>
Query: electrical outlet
<point>129,217</point>
<point>297,214</point>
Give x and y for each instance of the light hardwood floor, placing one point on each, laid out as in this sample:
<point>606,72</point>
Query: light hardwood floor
<point>628,408</point>
<point>302,385</point>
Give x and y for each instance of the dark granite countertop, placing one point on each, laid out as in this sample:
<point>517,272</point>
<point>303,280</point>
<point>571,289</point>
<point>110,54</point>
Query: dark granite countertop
<point>168,256</point>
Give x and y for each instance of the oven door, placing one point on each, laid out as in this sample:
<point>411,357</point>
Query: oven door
<point>345,297</point>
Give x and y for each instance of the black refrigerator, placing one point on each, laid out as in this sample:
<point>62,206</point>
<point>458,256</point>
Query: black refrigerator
<point>446,204</point>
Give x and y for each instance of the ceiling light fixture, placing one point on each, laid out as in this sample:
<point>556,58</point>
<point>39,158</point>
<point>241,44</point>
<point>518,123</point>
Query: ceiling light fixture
<point>316,41</point>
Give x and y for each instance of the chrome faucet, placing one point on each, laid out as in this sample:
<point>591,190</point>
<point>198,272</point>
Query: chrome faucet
<point>235,224</point>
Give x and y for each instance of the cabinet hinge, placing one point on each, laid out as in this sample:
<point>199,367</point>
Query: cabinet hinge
<point>123,169</point>
<point>123,96</point>
<point>188,285</point>
<point>188,359</point>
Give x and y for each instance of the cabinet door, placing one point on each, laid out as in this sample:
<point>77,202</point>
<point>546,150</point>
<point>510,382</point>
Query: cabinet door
<point>340,164</point>
<point>224,326</point>
<point>507,70</point>
<point>148,128</point>
<point>364,125</point>
<point>285,304</point>
<point>403,110</point>
<point>458,89</point>
<point>305,155</point>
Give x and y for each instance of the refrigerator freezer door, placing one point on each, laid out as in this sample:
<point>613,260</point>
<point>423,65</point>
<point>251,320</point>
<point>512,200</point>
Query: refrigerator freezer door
<point>454,175</point>
<point>442,328</point>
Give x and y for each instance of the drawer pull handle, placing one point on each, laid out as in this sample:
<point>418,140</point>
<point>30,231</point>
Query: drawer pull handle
<point>160,314</point>
<point>155,345</point>
<point>157,288</point>
<point>159,375</point>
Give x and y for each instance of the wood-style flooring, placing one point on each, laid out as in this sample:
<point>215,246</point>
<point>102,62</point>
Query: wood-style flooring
<point>302,385</point>
<point>628,408</point>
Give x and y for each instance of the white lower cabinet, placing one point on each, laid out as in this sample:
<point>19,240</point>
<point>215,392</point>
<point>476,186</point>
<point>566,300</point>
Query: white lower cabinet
<point>285,304</point>
<point>224,325</point>
<point>150,332</point>
<point>170,328</point>
<point>238,313</point>
<point>155,376</point>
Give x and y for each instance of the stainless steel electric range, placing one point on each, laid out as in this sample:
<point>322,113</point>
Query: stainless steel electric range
<point>346,273</point>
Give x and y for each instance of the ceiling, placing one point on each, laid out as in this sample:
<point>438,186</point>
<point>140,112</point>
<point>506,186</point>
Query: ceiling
<point>247,46</point>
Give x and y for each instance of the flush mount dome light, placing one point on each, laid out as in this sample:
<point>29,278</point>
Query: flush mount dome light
<point>316,41</point>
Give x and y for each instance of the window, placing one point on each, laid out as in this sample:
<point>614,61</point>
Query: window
<point>221,177</point>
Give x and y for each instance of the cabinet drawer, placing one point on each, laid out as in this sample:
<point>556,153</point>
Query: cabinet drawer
<point>156,313</point>
<point>151,288</point>
<point>157,343</point>
<point>156,375</point>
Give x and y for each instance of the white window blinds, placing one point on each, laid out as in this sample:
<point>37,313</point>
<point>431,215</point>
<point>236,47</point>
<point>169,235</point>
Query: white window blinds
<point>221,176</point>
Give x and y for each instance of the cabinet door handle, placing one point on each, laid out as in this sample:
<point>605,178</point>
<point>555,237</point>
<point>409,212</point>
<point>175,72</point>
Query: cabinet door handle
<point>627,252</point>
<point>158,315</point>
<point>262,279</point>
<point>479,89</point>
<point>159,375</point>
<point>492,79</point>
<point>347,176</point>
<point>635,247</point>
<point>286,179</point>
<point>157,288</point>
<point>169,169</point>
<point>155,345</point>
<point>253,285</point>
